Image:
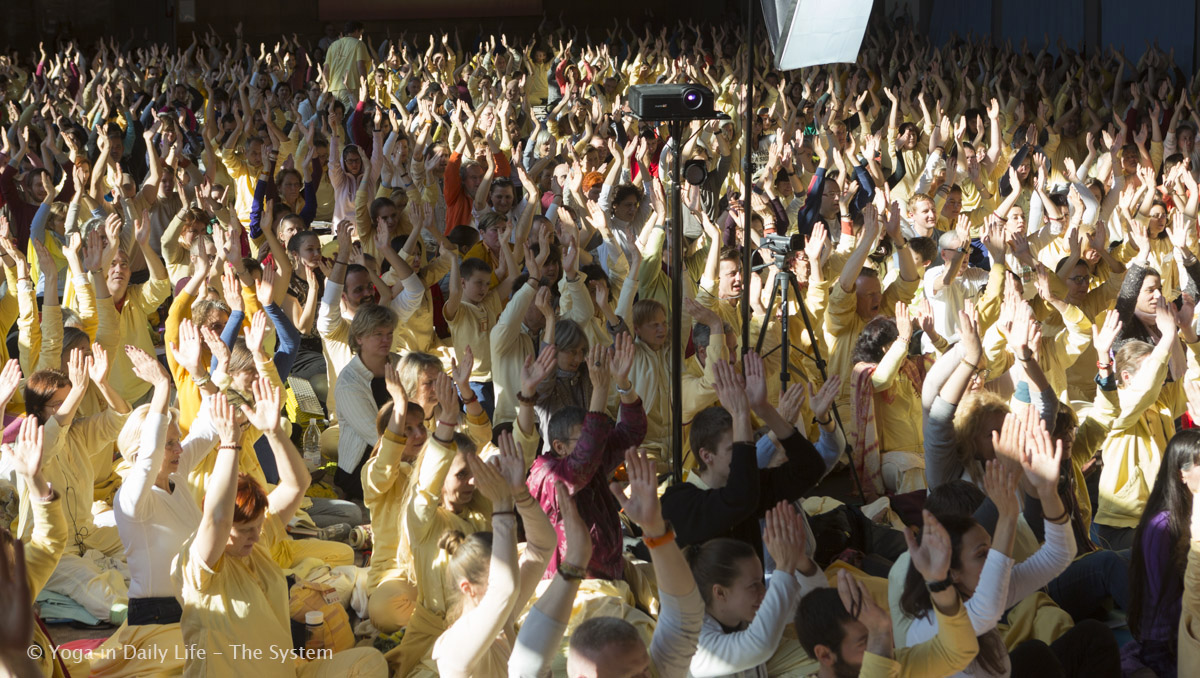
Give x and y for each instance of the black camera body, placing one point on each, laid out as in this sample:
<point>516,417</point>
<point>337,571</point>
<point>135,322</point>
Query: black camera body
<point>782,245</point>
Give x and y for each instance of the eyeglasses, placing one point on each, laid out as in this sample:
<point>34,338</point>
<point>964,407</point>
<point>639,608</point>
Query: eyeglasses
<point>1080,279</point>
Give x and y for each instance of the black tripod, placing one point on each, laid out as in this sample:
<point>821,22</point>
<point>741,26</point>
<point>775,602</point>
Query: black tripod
<point>785,283</point>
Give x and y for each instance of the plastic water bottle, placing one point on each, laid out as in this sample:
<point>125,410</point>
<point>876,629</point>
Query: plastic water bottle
<point>312,444</point>
<point>314,623</point>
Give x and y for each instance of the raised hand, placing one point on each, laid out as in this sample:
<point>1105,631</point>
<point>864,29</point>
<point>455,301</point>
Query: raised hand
<point>264,287</point>
<point>1000,484</point>
<point>257,332</point>
<point>731,389</point>
<point>756,382</point>
<point>187,351</point>
<point>535,371</point>
<point>578,536</point>
<point>932,557</point>
<point>857,600</point>
<point>447,397</point>
<point>391,378</point>
<point>146,367</point>
<point>1041,460</point>
<point>460,370</point>
<point>510,464</point>
<point>491,483</point>
<point>903,322</point>
<point>232,288</point>
<point>1105,334</point>
<point>784,536</point>
<point>641,505</point>
<point>620,359</point>
<point>821,402</point>
<point>78,367</point>
<point>25,457</point>
<point>215,346</point>
<point>10,380</point>
<point>268,400</point>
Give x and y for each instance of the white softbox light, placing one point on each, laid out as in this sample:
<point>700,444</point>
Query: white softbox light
<point>814,32</point>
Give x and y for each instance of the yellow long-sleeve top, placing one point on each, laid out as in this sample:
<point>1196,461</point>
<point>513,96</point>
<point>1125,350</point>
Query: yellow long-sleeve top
<point>698,392</point>
<point>425,520</point>
<point>510,344</point>
<point>37,349</point>
<point>133,329</point>
<point>44,548</point>
<point>897,403</point>
<point>950,651</point>
<point>653,282</point>
<point>176,256</point>
<point>187,394</point>
<point>471,327</point>
<point>914,165</point>
<point>418,333</point>
<point>1094,426</point>
<point>237,601</point>
<point>1132,452</point>
<point>384,478</point>
<point>1081,377</point>
<point>67,465</point>
<point>843,325</point>
<point>706,296</point>
<point>1189,617</point>
<point>651,378</point>
<point>244,177</point>
<point>9,311</point>
<point>1060,347</point>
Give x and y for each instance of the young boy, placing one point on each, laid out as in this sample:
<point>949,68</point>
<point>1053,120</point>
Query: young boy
<point>471,311</point>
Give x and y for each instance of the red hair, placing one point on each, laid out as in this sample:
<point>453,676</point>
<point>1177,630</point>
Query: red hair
<point>251,502</point>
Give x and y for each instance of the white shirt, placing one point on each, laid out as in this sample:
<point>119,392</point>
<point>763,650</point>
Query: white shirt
<point>1002,585</point>
<point>952,298</point>
<point>356,413</point>
<point>744,654</point>
<point>154,523</point>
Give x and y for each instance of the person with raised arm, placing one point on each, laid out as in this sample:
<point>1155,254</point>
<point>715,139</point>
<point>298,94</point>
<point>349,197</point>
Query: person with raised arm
<point>491,596</point>
<point>234,595</point>
<point>32,561</point>
<point>440,497</point>
<point>391,594</point>
<point>605,646</point>
<point>847,632</point>
<point>729,493</point>
<point>585,450</point>
<point>155,515</point>
<point>744,620</point>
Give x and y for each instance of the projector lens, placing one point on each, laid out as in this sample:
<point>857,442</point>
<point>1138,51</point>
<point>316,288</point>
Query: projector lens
<point>692,99</point>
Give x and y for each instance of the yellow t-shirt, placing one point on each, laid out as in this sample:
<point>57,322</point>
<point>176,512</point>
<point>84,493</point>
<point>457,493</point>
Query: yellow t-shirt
<point>341,62</point>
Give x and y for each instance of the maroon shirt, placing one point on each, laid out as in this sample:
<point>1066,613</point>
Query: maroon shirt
<point>586,472</point>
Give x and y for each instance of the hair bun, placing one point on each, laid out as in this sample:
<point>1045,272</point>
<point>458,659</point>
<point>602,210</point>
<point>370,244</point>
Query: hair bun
<point>451,540</point>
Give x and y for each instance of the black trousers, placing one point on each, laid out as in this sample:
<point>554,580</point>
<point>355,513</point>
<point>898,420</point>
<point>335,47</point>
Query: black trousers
<point>1087,651</point>
<point>147,611</point>
<point>351,483</point>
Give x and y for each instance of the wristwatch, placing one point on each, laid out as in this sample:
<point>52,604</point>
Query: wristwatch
<point>939,586</point>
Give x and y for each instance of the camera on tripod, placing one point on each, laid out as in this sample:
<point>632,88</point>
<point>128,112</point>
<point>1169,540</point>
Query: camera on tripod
<point>782,245</point>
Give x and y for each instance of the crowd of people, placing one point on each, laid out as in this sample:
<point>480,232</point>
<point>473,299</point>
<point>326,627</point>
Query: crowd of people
<point>457,247</point>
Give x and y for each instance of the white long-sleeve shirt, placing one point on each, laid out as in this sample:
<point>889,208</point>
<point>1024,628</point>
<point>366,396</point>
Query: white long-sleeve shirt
<point>1002,585</point>
<point>154,523</point>
<point>744,654</point>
